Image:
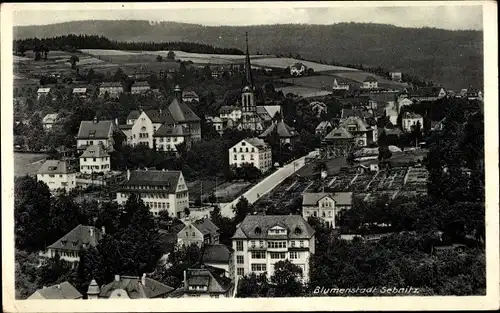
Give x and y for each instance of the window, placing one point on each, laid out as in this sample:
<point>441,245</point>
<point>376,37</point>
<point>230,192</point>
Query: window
<point>242,157</point>
<point>60,175</point>
<point>235,157</point>
<point>258,255</point>
<point>294,255</point>
<point>258,267</point>
<point>187,234</point>
<point>239,245</point>
<point>302,243</point>
<point>240,271</point>
<point>261,243</point>
<point>292,243</point>
<point>193,234</point>
<point>278,255</point>
<point>253,243</point>
<point>234,149</point>
<point>240,259</point>
<point>253,149</point>
<point>277,244</point>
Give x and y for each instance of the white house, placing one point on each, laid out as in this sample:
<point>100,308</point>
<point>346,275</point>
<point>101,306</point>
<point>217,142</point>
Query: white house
<point>145,125</point>
<point>140,87</point>
<point>113,89</point>
<point>262,240</point>
<point>410,120</point>
<point>219,256</point>
<point>80,92</point>
<point>95,159</point>
<point>57,175</point>
<point>49,120</point>
<point>168,137</point>
<point>318,107</point>
<point>205,282</point>
<point>160,191</point>
<point>230,112</point>
<point>370,83</point>
<point>42,92</point>
<point>402,102</point>
<point>298,69</point>
<point>340,85</point>
<point>325,206</point>
<point>252,151</point>
<point>94,133</point>
<point>70,246</point>
<point>190,96</point>
<point>396,76</point>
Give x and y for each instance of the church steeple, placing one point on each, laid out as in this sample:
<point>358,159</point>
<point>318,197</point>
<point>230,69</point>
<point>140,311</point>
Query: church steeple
<point>248,67</point>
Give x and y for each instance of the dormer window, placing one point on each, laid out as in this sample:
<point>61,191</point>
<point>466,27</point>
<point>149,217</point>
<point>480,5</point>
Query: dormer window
<point>258,231</point>
<point>74,243</point>
<point>298,231</point>
<point>92,133</point>
<point>63,242</point>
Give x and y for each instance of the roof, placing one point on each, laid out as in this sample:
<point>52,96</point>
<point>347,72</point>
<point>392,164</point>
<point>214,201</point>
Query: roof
<point>228,109</point>
<point>181,112</point>
<point>393,131</point>
<point>346,113</point>
<point>80,90</point>
<point>50,118</point>
<point>298,65</point>
<point>324,125</point>
<point>94,151</point>
<point>95,129</point>
<point>125,127</point>
<point>384,97</point>
<point>270,109</point>
<point>210,277</point>
<point>370,79</point>
<point>43,90</point>
<point>135,289</point>
<point>281,128</point>
<point>340,198</point>
<point>111,84</point>
<point>257,143</point>
<point>133,115</point>
<point>338,133</point>
<point>359,122</point>
<point>78,238</point>
<point>140,84</point>
<point>160,116</point>
<point>55,167</point>
<point>205,226</point>
<point>63,290</point>
<point>189,94</point>
<point>168,179</point>
<point>412,115</point>
<point>216,253</point>
<point>257,226</point>
<point>171,131</point>
<point>427,92</point>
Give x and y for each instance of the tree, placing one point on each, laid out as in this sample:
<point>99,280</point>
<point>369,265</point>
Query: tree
<point>287,279</point>
<point>186,212</point>
<point>159,58</point>
<point>178,261</point>
<point>242,209</point>
<point>45,50</point>
<point>171,55</point>
<point>73,60</point>
<point>253,286</point>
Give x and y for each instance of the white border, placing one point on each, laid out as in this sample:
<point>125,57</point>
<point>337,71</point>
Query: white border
<point>490,301</point>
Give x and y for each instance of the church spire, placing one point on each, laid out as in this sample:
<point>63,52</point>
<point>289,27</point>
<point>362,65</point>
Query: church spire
<point>248,67</point>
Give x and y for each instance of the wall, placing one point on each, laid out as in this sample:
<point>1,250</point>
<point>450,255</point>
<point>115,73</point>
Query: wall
<point>56,181</point>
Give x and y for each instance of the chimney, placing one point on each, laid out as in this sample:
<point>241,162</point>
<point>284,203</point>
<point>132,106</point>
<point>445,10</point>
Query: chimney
<point>103,229</point>
<point>117,277</point>
<point>185,280</point>
<point>143,279</point>
<point>91,231</point>
<point>128,174</point>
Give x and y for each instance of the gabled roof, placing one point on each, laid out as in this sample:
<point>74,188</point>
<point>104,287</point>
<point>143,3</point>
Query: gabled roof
<point>140,84</point>
<point>95,129</point>
<point>283,130</point>
<point>111,84</point>
<point>62,291</point>
<point>134,288</point>
<point>257,226</point>
<point>359,122</point>
<point>181,112</point>
<point>189,94</point>
<point>55,167</point>
<point>171,131</point>
<point>80,90</point>
<point>412,115</point>
<point>50,118</point>
<point>133,115</point>
<point>125,127</point>
<point>271,109</point>
<point>256,142</point>
<point>346,113</point>
<point>340,198</point>
<point>210,277</point>
<point>370,79</point>
<point>228,109</point>
<point>94,151</point>
<point>206,226</point>
<point>216,253</point>
<point>338,133</point>
<point>168,179</point>
<point>324,125</point>
<point>78,238</point>
<point>43,90</point>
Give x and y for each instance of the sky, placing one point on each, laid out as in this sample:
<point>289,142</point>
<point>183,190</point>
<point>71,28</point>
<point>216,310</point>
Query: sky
<point>453,17</point>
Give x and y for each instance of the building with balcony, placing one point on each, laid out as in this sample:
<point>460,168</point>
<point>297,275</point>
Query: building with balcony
<point>325,206</point>
<point>95,159</point>
<point>57,174</point>
<point>252,151</point>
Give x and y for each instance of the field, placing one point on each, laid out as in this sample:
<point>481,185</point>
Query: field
<point>360,76</point>
<point>304,92</point>
<point>285,62</point>
<point>27,163</point>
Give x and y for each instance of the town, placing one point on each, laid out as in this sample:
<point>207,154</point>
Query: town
<point>217,173</point>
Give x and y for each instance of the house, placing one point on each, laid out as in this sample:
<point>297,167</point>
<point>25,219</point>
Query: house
<point>360,130</point>
<point>252,151</point>
<point>190,96</point>
<point>49,120</point>
<point>43,92</point>
<point>130,287</point>
<point>95,159</point>
<point>325,206</point>
<point>323,128</point>
<point>370,83</point>
<point>219,256</point>
<point>298,69</point>
<point>80,92</point>
<point>71,245</point>
<point>339,139</point>
<point>205,282</point>
<point>198,232</point>
<point>396,76</point>
<point>144,124</point>
<point>437,126</point>
<point>217,123</point>
<point>140,87</point>
<point>183,115</point>
<point>160,191</point>
<point>62,291</point>
<point>402,102</point>
<point>230,112</point>
<point>340,85</point>
<point>267,113</point>
<point>474,94</point>
<point>168,137</point>
<point>95,132</point>
<point>262,240</point>
<point>427,94</point>
<point>286,133</point>
<point>318,107</point>
<point>410,120</point>
<point>113,89</point>
<point>57,175</point>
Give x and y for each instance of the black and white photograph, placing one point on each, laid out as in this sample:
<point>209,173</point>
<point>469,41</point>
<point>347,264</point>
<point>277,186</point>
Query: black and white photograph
<point>327,151</point>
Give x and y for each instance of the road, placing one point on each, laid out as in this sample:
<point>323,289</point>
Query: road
<point>267,184</point>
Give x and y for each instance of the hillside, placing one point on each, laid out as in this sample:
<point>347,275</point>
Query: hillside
<point>452,58</point>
